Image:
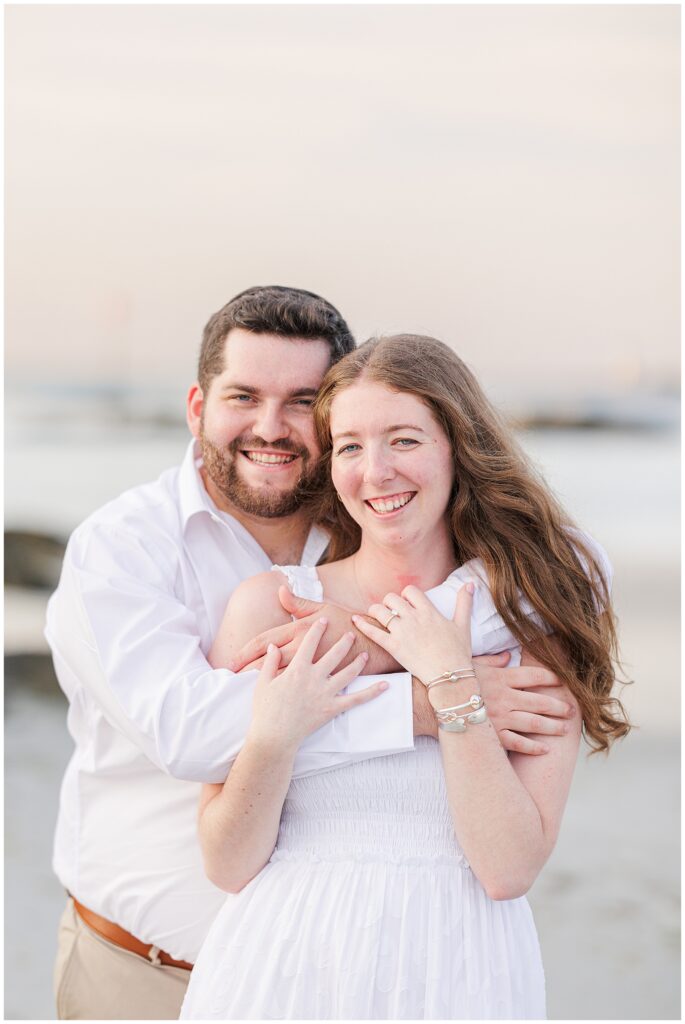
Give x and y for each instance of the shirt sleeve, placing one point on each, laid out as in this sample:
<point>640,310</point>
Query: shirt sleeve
<point>119,632</point>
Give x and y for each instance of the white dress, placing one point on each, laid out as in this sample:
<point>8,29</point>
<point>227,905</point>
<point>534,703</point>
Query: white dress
<point>368,908</point>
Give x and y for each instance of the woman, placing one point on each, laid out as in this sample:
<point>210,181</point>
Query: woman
<point>394,888</point>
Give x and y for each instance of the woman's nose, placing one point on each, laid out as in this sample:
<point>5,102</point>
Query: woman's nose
<point>378,468</point>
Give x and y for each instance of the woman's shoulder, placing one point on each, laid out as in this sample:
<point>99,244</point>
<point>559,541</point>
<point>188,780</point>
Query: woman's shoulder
<point>261,585</point>
<point>253,608</point>
<point>256,600</point>
<point>259,594</point>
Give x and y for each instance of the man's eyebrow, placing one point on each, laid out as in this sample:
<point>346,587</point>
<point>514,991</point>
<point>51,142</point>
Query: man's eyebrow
<point>305,392</point>
<point>388,430</point>
<point>241,387</point>
<point>250,389</point>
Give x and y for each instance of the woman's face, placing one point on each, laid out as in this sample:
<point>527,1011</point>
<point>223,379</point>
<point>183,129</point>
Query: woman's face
<point>391,463</point>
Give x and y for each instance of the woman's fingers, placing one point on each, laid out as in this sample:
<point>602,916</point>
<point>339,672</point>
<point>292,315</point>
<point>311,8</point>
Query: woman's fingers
<point>416,597</point>
<point>462,612</point>
<point>379,636</point>
<point>310,642</point>
<point>383,610</point>
<point>381,613</point>
<point>331,659</point>
<point>352,700</point>
<point>272,660</point>
<point>340,679</point>
<point>462,622</point>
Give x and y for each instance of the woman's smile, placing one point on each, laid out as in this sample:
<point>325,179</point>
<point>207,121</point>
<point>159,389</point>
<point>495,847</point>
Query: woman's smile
<point>390,503</point>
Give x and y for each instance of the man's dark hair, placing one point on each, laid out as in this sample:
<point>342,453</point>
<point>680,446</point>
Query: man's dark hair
<point>272,309</point>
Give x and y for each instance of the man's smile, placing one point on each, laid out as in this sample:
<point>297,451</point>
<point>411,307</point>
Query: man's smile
<point>270,459</point>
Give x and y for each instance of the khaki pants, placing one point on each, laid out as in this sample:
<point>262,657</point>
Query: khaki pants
<point>96,980</point>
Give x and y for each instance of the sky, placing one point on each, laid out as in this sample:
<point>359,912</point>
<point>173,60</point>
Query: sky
<point>504,178</point>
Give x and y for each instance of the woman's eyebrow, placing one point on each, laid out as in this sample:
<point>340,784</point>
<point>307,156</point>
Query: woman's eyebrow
<point>388,430</point>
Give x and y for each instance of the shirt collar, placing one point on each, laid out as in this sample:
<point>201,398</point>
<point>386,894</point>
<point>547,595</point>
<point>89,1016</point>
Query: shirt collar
<point>193,497</point>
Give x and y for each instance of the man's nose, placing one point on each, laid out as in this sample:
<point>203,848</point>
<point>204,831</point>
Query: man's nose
<point>270,423</point>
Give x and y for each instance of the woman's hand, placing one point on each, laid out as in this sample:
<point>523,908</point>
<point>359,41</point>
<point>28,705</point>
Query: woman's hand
<point>290,705</point>
<point>418,636</point>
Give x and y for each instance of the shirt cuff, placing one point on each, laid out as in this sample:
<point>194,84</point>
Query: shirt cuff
<point>384,725</point>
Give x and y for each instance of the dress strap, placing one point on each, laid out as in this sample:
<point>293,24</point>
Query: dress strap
<point>303,581</point>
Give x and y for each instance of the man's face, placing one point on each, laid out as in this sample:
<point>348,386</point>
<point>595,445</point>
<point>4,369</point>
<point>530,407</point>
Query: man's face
<point>255,423</point>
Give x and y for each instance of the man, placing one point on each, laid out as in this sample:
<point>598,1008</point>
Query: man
<point>143,588</point>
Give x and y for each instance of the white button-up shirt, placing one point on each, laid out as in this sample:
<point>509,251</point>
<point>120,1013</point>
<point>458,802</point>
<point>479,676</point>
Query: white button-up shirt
<point>143,589</point>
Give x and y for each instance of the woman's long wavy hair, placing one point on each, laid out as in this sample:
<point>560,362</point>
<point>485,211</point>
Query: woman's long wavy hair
<point>500,512</point>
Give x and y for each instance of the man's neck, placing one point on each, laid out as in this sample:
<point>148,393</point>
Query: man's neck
<point>282,538</point>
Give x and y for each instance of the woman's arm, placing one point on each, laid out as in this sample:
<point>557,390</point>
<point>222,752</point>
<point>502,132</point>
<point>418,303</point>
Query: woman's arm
<point>506,811</point>
<point>238,824</point>
<point>238,821</point>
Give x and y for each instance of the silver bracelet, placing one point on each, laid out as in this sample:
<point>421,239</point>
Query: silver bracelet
<point>452,677</point>
<point>474,703</point>
<point>450,720</point>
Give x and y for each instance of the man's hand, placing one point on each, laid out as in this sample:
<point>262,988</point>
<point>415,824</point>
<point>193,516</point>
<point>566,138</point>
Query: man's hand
<point>515,709</point>
<point>517,714</point>
<point>289,637</point>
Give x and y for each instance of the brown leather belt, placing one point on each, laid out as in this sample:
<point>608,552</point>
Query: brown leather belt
<point>113,933</point>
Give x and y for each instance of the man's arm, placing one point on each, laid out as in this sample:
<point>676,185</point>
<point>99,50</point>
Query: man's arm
<point>523,715</point>
<point>119,631</point>
<point>386,727</point>
<point>288,634</point>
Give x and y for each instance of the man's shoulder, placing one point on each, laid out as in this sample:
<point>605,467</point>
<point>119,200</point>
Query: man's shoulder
<point>146,510</point>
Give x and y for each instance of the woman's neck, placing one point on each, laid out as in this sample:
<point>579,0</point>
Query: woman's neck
<point>378,570</point>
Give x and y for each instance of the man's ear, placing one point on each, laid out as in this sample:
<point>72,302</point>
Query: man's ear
<point>194,403</point>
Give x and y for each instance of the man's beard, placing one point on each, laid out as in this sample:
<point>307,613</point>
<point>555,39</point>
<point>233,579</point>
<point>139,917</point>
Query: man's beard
<point>221,465</point>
